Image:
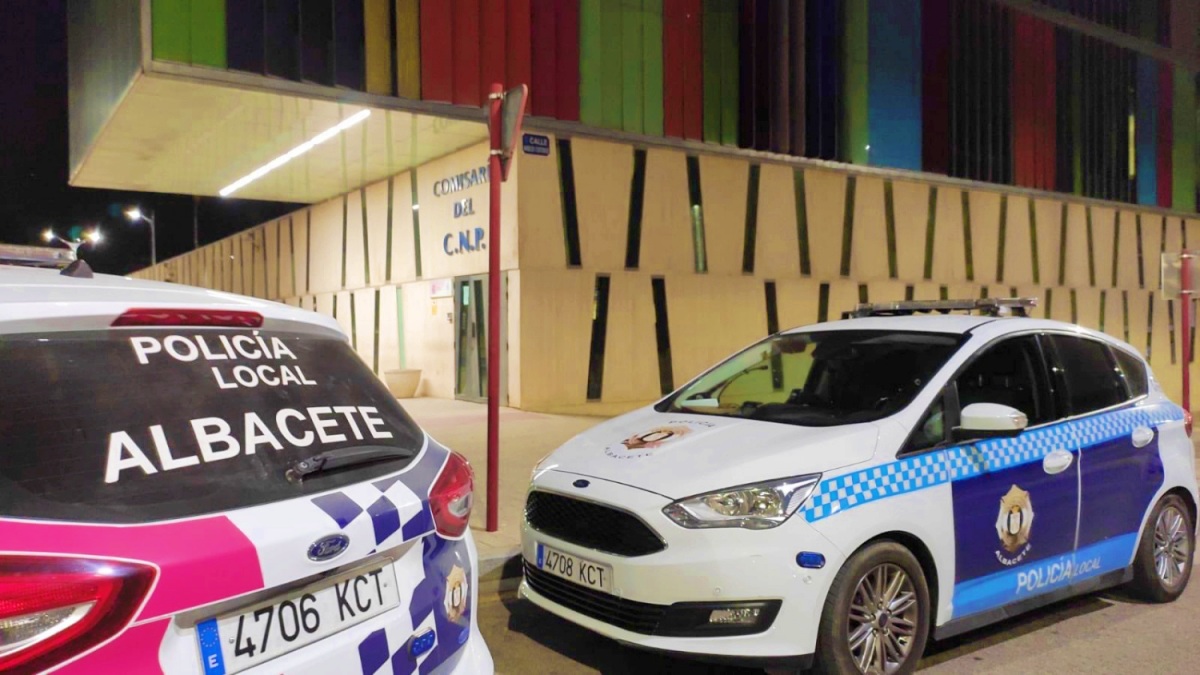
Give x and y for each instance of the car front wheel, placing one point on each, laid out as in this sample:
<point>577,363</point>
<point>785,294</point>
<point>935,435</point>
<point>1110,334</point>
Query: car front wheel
<point>876,617</point>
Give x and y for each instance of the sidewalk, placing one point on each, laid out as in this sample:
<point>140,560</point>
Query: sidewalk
<point>525,438</point>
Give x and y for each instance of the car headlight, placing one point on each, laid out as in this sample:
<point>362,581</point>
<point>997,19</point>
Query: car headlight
<point>754,507</point>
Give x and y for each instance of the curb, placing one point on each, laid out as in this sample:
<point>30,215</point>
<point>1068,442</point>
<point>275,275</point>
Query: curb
<point>500,572</point>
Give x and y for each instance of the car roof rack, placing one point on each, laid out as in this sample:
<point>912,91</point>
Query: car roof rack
<point>36,256</point>
<point>983,306</point>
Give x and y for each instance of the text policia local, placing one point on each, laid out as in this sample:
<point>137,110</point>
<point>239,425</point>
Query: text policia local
<point>215,437</point>
<point>224,347</point>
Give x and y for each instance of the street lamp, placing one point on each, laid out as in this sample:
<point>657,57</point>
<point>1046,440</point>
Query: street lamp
<point>134,214</point>
<point>92,236</point>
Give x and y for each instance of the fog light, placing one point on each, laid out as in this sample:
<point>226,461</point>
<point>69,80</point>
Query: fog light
<point>735,616</point>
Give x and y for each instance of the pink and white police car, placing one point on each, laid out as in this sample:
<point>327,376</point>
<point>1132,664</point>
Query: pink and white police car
<point>199,482</point>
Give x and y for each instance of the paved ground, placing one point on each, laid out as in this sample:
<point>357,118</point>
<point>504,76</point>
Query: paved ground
<point>525,438</point>
<point>1097,634</point>
<point>1101,633</point>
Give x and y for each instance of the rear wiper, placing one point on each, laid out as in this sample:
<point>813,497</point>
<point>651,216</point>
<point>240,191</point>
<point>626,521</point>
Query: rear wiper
<point>344,457</point>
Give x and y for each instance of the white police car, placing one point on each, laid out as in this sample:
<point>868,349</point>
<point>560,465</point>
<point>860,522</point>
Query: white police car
<point>835,495</point>
<point>203,483</point>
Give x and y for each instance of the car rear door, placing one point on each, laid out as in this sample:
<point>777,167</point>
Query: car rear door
<point>160,455</point>
<point>1121,469</point>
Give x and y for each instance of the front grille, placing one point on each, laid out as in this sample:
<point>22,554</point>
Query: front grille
<point>597,527</point>
<point>633,616</point>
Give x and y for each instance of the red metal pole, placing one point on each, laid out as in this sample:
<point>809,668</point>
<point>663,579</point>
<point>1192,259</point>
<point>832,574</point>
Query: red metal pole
<point>1185,313</point>
<point>493,343</point>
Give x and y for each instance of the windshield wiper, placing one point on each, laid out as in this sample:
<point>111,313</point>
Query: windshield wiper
<point>344,457</point>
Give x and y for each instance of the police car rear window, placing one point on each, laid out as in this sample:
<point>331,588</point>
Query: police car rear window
<point>135,425</point>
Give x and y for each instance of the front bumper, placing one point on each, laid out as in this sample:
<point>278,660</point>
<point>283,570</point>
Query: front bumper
<point>715,566</point>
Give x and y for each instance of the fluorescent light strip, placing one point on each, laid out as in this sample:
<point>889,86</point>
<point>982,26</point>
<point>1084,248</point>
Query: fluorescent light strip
<point>295,152</point>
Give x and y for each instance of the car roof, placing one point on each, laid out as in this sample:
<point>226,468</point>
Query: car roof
<point>955,324</point>
<point>986,327</point>
<point>34,299</point>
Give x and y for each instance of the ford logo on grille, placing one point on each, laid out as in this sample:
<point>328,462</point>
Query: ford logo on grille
<point>581,483</point>
<point>328,548</point>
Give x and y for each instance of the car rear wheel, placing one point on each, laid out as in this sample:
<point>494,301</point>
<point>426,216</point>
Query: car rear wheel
<point>876,617</point>
<point>1164,558</point>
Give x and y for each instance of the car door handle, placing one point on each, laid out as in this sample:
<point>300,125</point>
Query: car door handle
<point>1142,437</point>
<point>1057,461</point>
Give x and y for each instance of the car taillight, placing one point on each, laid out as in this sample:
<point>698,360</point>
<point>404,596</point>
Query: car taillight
<point>54,608</point>
<point>1187,422</point>
<point>231,318</point>
<point>451,497</point>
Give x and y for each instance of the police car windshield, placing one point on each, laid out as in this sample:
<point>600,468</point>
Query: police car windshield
<point>820,378</point>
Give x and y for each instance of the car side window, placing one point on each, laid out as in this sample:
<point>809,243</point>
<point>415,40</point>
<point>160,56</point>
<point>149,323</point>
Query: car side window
<point>1086,373</point>
<point>932,429</point>
<point>1009,373</point>
<point>1133,371</point>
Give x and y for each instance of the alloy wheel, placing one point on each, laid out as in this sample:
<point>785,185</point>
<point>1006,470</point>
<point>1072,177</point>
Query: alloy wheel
<point>1171,546</point>
<point>883,620</point>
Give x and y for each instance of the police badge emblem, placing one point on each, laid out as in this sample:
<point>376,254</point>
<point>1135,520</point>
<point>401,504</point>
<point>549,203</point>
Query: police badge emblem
<point>456,594</point>
<point>1014,524</point>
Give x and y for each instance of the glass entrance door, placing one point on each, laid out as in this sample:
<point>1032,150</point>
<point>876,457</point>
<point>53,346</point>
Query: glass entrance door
<point>470,344</point>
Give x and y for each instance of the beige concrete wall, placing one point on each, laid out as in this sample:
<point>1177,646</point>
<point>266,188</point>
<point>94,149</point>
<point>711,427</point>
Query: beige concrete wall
<point>1080,259</point>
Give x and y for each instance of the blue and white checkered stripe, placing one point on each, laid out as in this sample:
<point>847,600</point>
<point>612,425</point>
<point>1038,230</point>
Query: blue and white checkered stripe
<point>839,493</point>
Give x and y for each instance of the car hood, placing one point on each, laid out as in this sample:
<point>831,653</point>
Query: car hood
<point>680,455</point>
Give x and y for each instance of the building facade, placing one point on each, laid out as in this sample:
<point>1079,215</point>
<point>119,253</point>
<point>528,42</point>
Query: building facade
<point>696,174</point>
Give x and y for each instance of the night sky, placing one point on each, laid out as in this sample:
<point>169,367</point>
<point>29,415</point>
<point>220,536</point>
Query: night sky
<point>34,193</point>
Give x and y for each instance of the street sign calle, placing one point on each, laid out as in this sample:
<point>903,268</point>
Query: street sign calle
<point>536,144</point>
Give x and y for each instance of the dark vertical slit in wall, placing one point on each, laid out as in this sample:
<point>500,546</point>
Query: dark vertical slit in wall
<point>662,332</point>
<point>1046,313</point>
<point>1003,237</point>
<point>637,192</point>
<point>823,303</point>
<point>387,265</point>
<point>1125,314</point>
<point>943,292</point>
<point>599,334</point>
<point>967,246</point>
<point>566,184</point>
<point>1150,326</point>
<point>863,296</point>
<point>802,220</point>
<point>696,201</point>
<point>1141,267</point>
<point>1062,245</point>
<point>909,292</point>
<point>308,251</point>
<point>1074,307</point>
<point>1171,326</point>
<point>353,321</point>
<point>773,328</point>
<point>751,236</point>
<point>1116,247</point>
<point>1103,308</point>
<point>889,211</point>
<point>772,309</point>
<point>1091,248</point>
<point>930,231</point>
<point>416,216</point>
<point>278,262</point>
<point>848,226</point>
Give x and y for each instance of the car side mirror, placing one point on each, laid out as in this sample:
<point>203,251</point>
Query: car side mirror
<point>990,420</point>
